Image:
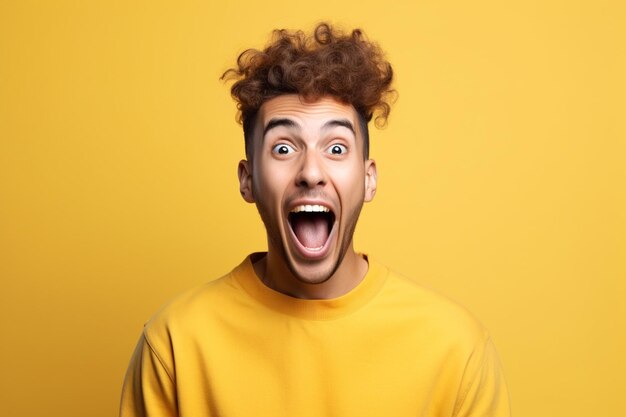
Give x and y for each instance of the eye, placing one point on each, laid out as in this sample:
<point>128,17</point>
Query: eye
<point>283,149</point>
<point>337,149</point>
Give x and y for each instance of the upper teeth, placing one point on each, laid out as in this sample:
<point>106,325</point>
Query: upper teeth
<point>310,208</point>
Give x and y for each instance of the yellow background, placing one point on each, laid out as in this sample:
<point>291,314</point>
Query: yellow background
<point>502,181</point>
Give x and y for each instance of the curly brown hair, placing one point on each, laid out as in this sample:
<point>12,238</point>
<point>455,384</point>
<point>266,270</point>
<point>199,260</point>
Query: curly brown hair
<point>328,63</point>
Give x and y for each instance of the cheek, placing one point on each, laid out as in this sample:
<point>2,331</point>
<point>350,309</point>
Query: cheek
<point>270,183</point>
<point>350,183</point>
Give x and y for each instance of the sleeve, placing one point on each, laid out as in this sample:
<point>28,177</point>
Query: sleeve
<point>483,390</point>
<point>149,389</point>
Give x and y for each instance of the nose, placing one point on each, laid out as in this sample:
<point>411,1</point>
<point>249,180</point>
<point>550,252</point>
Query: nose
<point>311,173</point>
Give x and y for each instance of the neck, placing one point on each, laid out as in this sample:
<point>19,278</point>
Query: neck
<point>275,274</point>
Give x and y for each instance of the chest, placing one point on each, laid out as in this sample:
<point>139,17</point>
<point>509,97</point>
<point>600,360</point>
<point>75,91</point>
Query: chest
<point>289,367</point>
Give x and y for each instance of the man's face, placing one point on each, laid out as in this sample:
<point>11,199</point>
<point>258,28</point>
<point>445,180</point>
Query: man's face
<point>309,181</point>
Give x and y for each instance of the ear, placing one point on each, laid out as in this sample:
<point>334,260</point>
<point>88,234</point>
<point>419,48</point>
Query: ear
<point>244,173</point>
<point>371,175</point>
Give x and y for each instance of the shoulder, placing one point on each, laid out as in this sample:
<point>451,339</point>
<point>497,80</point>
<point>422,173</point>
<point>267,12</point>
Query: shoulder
<point>431,312</point>
<point>197,309</point>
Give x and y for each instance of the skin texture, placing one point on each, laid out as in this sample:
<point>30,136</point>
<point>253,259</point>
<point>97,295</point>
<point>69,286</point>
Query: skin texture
<point>308,153</point>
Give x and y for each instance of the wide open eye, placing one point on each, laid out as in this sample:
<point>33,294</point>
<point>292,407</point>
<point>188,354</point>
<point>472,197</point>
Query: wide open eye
<point>283,149</point>
<point>337,149</point>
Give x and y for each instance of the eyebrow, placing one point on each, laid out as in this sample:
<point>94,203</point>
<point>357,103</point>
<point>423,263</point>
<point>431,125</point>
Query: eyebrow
<point>340,122</point>
<point>279,122</point>
<point>291,124</point>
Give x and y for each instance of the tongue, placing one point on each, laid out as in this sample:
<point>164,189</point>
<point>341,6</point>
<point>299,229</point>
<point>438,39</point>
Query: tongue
<point>311,230</point>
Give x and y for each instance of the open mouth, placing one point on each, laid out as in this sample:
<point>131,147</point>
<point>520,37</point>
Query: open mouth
<point>311,225</point>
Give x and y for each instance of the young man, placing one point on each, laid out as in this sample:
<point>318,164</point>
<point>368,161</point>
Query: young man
<point>312,328</point>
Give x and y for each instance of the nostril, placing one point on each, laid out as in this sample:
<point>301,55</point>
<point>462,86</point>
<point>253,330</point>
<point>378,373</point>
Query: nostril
<point>311,174</point>
<point>311,182</point>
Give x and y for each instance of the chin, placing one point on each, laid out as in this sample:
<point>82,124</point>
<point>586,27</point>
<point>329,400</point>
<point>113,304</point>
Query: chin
<point>316,272</point>
<point>314,278</point>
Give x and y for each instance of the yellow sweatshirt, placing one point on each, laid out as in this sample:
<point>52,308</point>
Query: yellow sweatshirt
<point>389,348</point>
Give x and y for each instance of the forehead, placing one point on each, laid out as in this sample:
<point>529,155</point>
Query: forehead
<point>306,113</point>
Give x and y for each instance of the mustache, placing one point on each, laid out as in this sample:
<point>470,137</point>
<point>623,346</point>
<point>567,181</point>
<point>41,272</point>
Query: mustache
<point>309,195</point>
<point>313,195</point>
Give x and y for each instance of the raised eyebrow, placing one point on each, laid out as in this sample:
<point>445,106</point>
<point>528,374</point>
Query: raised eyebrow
<point>340,122</point>
<point>279,122</point>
